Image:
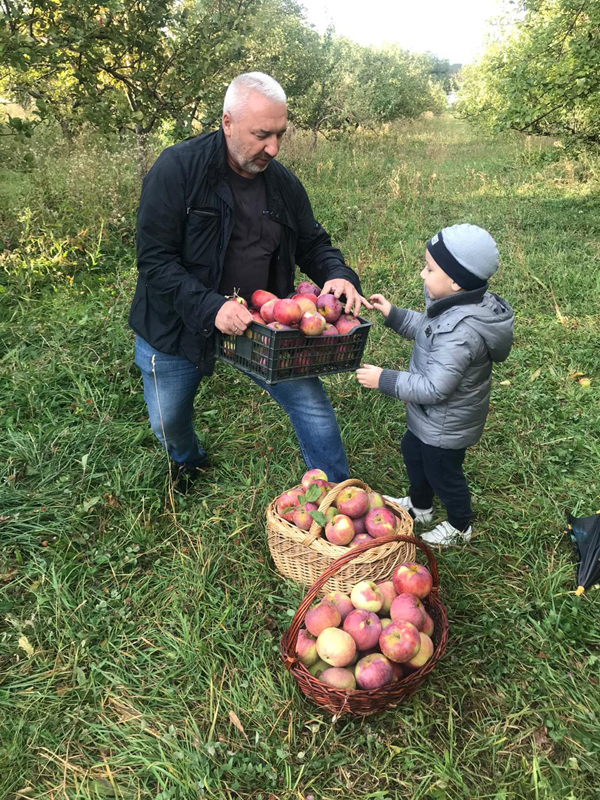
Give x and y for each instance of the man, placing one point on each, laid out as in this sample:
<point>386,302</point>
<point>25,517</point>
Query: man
<point>217,213</point>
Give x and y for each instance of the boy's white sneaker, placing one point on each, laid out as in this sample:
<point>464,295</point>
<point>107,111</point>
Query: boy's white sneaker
<point>419,514</point>
<point>445,534</point>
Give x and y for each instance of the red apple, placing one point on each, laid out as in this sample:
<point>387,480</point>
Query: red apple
<point>306,303</point>
<point>424,654</point>
<point>389,593</point>
<point>266,310</point>
<point>413,578</point>
<point>324,615</point>
<point>329,306</point>
<point>323,486</point>
<point>373,671</point>
<point>375,500</point>
<point>330,330</point>
<point>342,601</point>
<point>352,501</point>
<point>367,595</point>
<point>364,627</point>
<point>339,677</point>
<point>280,326</point>
<point>311,476</point>
<point>301,516</point>
<point>346,323</point>
<point>380,522</point>
<point>429,627</point>
<point>287,311</point>
<point>287,503</point>
<point>360,538</point>
<point>385,621</point>
<point>397,671</point>
<point>336,647</point>
<point>306,648</point>
<point>359,525</point>
<point>399,641</point>
<point>409,608</point>
<point>260,297</point>
<point>312,324</point>
<point>307,287</point>
<point>340,530</point>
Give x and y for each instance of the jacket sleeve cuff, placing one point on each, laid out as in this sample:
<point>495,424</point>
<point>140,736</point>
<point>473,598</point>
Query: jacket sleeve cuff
<point>395,319</point>
<point>387,382</point>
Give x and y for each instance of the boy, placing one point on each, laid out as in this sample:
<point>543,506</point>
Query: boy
<point>463,331</point>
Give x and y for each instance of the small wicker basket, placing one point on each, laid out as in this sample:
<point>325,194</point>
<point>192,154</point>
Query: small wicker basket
<point>363,702</point>
<point>303,556</point>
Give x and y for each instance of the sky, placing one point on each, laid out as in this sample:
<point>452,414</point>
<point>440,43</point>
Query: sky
<point>451,29</point>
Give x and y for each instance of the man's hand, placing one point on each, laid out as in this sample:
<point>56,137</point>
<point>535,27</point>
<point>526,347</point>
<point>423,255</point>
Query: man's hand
<point>233,318</point>
<point>381,304</point>
<point>368,376</point>
<point>338,287</point>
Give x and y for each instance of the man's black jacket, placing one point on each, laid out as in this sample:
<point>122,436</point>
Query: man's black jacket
<point>185,219</point>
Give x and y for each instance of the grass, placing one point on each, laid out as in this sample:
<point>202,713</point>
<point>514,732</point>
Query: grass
<point>139,639</point>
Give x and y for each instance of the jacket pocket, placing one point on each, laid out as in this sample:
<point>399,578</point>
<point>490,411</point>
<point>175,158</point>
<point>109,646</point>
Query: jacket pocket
<point>201,240</point>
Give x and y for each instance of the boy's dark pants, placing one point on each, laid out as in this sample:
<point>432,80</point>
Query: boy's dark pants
<point>437,470</point>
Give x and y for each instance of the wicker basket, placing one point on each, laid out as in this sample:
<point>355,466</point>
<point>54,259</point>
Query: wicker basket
<point>363,702</point>
<point>304,555</point>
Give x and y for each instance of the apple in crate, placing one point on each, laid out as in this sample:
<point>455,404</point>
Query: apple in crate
<point>364,627</point>
<point>312,324</point>
<point>329,306</point>
<point>352,501</point>
<point>409,608</point>
<point>306,648</point>
<point>324,615</point>
<point>399,641</point>
<point>266,310</point>
<point>413,578</point>
<point>346,323</point>
<point>307,287</point>
<point>287,311</point>
<point>367,595</point>
<point>330,330</point>
<point>287,503</point>
<point>380,522</point>
<point>306,302</point>
<point>339,677</point>
<point>342,601</point>
<point>373,671</point>
<point>336,647</point>
<point>260,297</point>
<point>340,530</point>
<point>424,654</point>
<point>389,593</point>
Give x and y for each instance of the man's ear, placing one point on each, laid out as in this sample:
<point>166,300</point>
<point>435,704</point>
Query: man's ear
<point>226,122</point>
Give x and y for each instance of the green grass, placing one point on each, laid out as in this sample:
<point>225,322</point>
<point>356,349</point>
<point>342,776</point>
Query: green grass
<point>133,625</point>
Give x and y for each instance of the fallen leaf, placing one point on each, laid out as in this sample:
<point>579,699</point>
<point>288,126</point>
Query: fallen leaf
<point>233,717</point>
<point>504,383</point>
<point>536,374</point>
<point>26,646</point>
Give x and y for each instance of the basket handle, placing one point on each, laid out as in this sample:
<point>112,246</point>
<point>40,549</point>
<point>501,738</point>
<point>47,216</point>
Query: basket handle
<point>315,529</point>
<point>335,566</point>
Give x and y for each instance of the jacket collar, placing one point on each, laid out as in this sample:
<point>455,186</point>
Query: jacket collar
<point>437,307</point>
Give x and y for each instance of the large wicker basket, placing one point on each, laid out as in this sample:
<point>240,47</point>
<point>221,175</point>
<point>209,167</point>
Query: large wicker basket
<point>363,702</point>
<point>304,555</point>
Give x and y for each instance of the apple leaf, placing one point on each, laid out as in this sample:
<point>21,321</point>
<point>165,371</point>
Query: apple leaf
<point>319,518</point>
<point>312,493</point>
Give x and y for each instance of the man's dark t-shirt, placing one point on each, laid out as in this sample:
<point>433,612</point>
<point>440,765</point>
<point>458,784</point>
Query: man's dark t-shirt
<point>254,239</point>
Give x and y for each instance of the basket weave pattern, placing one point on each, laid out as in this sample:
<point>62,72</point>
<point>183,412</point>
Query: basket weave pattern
<point>303,556</point>
<point>364,702</point>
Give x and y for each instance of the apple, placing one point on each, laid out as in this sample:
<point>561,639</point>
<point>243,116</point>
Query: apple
<point>375,500</point>
<point>346,323</point>
<point>324,615</point>
<point>364,627</point>
<point>342,601</point>
<point>306,303</point>
<point>318,667</point>
<point>373,671</point>
<point>311,476</point>
<point>380,522</point>
<point>312,324</point>
<point>307,287</point>
<point>266,310</point>
<point>339,678</point>
<point>256,317</point>
<point>330,330</point>
<point>424,654</point>
<point>360,538</point>
<point>260,297</point>
<point>301,516</point>
<point>306,648</point>
<point>288,502</point>
<point>413,578</point>
<point>330,513</point>
<point>279,326</point>
<point>408,607</point>
<point>385,621</point>
<point>352,501</point>
<point>399,641</point>
<point>329,306</point>
<point>287,311</point>
<point>367,595</point>
<point>389,593</point>
<point>323,486</point>
<point>428,627</point>
<point>340,530</point>
<point>359,525</point>
<point>336,647</point>
<point>397,671</point>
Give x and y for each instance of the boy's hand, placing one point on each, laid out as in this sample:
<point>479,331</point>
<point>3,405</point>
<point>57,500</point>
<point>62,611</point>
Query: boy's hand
<point>381,304</point>
<point>368,375</point>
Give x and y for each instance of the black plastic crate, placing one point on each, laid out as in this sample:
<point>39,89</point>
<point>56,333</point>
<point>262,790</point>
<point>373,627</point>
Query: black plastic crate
<point>277,356</point>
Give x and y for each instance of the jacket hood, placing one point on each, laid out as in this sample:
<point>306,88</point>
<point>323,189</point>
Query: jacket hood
<point>492,318</point>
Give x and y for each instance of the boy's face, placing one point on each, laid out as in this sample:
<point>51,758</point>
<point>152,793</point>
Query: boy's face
<point>437,282</point>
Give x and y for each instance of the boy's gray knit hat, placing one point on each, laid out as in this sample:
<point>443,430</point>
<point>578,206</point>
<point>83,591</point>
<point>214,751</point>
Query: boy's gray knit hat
<point>467,253</point>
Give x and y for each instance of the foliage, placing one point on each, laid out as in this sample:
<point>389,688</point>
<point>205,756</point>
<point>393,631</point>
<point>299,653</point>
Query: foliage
<point>542,73</point>
<point>139,636</point>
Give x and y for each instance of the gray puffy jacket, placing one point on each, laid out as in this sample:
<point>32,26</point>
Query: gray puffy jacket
<point>447,386</point>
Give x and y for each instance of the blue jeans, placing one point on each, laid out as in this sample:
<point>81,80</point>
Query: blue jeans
<point>171,383</point>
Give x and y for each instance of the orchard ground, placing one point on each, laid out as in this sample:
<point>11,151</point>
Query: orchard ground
<point>139,650</point>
